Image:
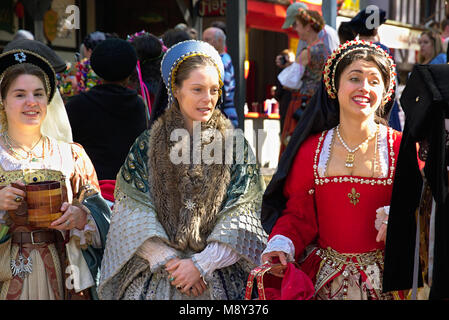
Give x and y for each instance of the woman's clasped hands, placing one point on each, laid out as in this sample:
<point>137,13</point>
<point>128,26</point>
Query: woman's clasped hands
<point>185,276</point>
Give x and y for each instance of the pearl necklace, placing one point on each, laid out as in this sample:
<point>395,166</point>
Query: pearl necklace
<point>350,157</point>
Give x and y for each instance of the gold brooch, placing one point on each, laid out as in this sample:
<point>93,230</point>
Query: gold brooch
<point>354,196</point>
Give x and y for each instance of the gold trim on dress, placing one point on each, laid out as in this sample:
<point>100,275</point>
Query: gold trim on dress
<point>30,176</point>
<point>352,179</point>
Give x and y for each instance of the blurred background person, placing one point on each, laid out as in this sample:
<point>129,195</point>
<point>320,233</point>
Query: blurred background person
<point>345,32</point>
<point>219,24</point>
<point>431,48</point>
<point>445,33</point>
<point>173,36</point>
<point>193,33</point>
<point>282,94</point>
<point>308,24</point>
<point>217,38</point>
<point>147,76</point>
<point>169,39</point>
<point>366,31</point>
<point>327,34</point>
<point>109,117</point>
<point>80,77</point>
<point>23,34</point>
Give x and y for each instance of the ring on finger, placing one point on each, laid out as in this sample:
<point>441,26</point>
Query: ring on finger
<point>18,199</point>
<point>67,223</point>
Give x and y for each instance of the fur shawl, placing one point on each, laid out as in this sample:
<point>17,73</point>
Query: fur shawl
<point>187,197</point>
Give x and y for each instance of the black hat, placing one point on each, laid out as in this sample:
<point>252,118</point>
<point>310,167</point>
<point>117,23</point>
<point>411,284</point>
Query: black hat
<point>113,59</point>
<point>41,49</point>
<point>364,22</point>
<point>18,56</point>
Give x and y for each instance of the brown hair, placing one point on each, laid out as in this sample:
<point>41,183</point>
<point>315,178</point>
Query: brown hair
<point>435,38</point>
<point>190,64</point>
<point>444,24</point>
<point>311,17</point>
<point>17,70</point>
<point>371,56</point>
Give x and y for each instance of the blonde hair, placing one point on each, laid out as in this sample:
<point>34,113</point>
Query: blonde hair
<point>435,38</point>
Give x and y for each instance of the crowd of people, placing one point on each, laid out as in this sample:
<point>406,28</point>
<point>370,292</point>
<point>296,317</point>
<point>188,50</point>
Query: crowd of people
<point>149,212</point>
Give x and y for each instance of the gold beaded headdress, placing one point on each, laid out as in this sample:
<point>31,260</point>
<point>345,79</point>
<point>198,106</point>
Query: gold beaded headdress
<point>350,46</point>
<point>182,51</point>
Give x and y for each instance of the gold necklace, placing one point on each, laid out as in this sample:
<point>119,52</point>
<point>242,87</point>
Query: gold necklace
<point>350,157</point>
<point>30,155</point>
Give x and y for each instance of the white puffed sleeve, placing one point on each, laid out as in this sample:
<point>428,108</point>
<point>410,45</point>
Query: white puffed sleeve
<point>281,243</point>
<point>156,253</point>
<point>215,256</point>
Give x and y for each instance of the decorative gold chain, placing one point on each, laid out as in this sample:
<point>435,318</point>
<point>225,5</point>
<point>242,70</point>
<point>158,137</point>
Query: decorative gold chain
<point>29,154</point>
<point>361,260</point>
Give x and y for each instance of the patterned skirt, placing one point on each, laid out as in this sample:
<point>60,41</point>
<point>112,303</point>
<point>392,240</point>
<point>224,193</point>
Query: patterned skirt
<point>137,282</point>
<point>340,276</point>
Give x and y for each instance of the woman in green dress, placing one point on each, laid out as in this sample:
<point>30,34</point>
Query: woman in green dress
<point>186,219</point>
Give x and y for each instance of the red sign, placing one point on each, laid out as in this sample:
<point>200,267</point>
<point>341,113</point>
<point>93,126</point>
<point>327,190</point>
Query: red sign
<point>211,8</point>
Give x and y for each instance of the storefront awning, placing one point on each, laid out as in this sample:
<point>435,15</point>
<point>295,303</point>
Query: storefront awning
<point>271,16</point>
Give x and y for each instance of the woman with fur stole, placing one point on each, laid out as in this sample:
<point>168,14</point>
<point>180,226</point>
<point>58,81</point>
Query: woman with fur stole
<point>186,222</point>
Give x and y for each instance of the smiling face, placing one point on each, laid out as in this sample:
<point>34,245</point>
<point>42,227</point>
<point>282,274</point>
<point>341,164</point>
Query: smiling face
<point>361,90</point>
<point>25,102</point>
<point>198,94</point>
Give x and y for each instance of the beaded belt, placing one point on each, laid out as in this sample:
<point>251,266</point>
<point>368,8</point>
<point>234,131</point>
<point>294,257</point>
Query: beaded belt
<point>347,264</point>
<point>356,260</point>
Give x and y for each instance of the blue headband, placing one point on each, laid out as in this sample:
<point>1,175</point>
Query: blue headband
<point>183,50</point>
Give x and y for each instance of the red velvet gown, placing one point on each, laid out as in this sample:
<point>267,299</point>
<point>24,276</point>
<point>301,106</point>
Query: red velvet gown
<point>330,221</point>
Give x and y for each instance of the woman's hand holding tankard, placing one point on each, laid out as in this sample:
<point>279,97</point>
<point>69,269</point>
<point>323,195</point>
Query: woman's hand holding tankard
<point>73,217</point>
<point>11,197</point>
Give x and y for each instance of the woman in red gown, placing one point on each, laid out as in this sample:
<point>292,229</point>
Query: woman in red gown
<point>338,188</point>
